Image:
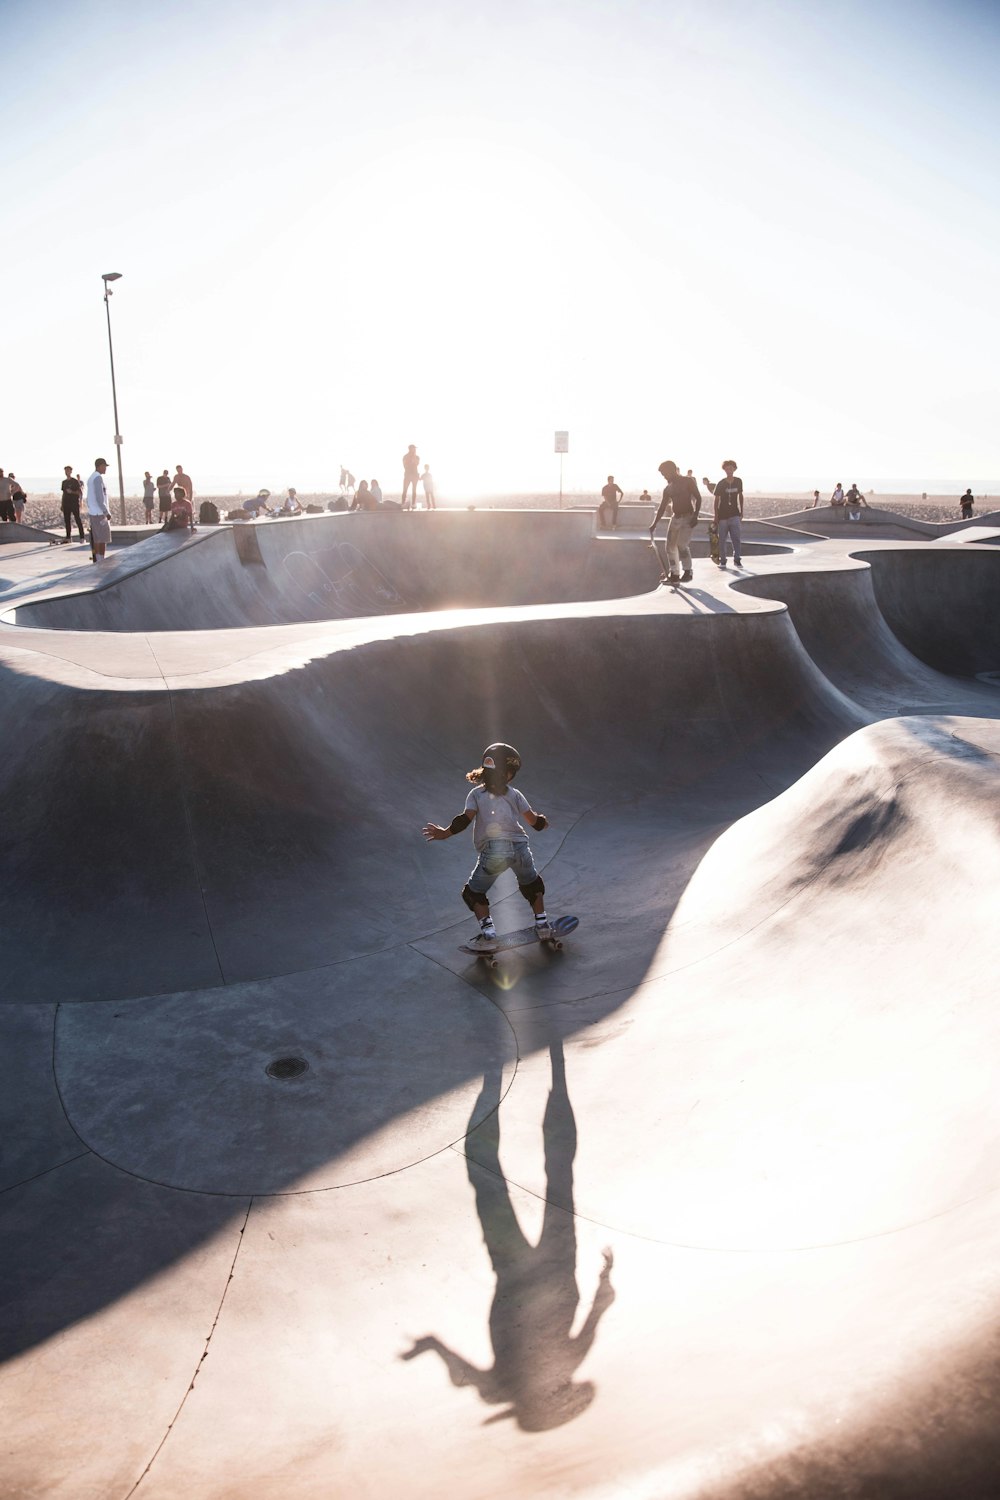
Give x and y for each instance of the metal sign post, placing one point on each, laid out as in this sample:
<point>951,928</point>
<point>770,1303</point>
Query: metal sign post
<point>562,446</point>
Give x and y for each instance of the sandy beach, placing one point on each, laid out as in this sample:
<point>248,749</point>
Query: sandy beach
<point>43,509</point>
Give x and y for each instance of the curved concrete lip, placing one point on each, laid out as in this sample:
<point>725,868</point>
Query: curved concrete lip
<point>704,1205</point>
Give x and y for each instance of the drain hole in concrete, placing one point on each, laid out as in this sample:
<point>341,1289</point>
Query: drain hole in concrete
<point>286,1067</point>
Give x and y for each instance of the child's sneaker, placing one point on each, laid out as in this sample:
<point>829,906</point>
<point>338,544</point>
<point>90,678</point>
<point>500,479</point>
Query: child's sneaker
<point>484,942</point>
<point>543,931</point>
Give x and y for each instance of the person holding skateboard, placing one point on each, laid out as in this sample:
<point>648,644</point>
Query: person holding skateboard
<point>682,497</point>
<point>495,807</point>
<point>728,493</point>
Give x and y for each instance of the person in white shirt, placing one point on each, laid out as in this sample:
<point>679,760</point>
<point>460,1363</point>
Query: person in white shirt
<point>97,511</point>
<point>427,480</point>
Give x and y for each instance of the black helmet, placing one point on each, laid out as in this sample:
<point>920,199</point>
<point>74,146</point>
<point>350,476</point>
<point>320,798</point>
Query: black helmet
<point>497,761</point>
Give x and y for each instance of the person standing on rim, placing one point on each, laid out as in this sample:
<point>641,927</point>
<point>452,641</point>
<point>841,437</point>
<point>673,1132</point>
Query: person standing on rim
<point>97,510</point>
<point>165,495</point>
<point>682,497</point>
<point>184,480</point>
<point>427,480</point>
<point>72,494</point>
<point>411,473</point>
<point>728,494</point>
<point>610,497</point>
<point>148,496</point>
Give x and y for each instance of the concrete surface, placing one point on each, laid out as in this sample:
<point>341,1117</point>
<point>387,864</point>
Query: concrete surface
<point>704,1206</point>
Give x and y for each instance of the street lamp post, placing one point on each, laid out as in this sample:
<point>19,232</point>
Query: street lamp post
<point>114,276</point>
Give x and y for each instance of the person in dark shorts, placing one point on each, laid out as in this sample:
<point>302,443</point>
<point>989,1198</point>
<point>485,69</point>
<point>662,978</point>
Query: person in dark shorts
<point>728,493</point>
<point>495,808</point>
<point>608,509</point>
<point>682,497</point>
<point>148,496</point>
<point>164,489</point>
<point>411,474</point>
<point>967,502</point>
<point>6,497</point>
<point>72,494</point>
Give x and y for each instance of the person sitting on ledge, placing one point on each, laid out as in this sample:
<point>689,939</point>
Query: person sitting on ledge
<point>258,504</point>
<point>181,517</point>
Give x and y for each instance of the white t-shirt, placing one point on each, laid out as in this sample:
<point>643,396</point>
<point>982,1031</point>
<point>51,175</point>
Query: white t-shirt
<point>97,495</point>
<point>496,817</point>
<point>427,480</point>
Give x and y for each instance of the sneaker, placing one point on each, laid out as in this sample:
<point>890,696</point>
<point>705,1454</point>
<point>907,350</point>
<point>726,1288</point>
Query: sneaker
<point>737,562</point>
<point>673,578</point>
<point>543,931</point>
<point>687,577</point>
<point>484,943</point>
<point>722,564</point>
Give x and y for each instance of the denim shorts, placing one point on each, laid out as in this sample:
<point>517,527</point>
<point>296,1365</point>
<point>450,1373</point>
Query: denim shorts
<point>498,855</point>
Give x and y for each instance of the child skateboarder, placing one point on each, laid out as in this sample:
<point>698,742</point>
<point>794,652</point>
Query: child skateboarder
<point>501,843</point>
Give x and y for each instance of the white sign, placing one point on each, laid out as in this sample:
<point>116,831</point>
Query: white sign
<point>562,442</point>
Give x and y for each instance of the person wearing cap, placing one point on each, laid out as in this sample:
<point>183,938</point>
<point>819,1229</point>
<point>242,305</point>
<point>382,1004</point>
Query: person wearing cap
<point>98,512</point>
<point>728,493</point>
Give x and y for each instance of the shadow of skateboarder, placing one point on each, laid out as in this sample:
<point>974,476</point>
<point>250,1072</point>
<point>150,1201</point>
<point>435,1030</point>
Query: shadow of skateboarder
<point>535,1352</point>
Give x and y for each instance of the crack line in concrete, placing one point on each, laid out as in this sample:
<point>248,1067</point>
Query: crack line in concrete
<point>204,1356</point>
<point>45,1171</point>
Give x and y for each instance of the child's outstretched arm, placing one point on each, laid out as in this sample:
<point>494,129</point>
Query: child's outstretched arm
<point>535,819</point>
<point>459,824</point>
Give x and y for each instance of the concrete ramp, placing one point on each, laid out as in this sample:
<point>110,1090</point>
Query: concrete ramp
<point>343,566</point>
<point>297,1199</point>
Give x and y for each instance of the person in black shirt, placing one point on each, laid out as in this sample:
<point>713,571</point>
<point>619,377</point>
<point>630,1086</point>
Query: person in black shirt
<point>729,512</point>
<point>682,497</point>
<point>607,511</point>
<point>72,493</point>
<point>967,501</point>
<point>164,490</point>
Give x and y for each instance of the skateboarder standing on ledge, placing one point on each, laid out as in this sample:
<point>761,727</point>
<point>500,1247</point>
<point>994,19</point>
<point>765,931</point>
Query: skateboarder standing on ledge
<point>501,842</point>
<point>682,497</point>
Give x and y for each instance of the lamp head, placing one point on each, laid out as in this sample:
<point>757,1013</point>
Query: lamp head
<point>112,276</point>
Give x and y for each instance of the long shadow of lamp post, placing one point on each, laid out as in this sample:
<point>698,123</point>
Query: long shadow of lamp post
<point>535,1353</point>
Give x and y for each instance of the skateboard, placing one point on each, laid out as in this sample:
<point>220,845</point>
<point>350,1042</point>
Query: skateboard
<point>713,541</point>
<point>522,937</point>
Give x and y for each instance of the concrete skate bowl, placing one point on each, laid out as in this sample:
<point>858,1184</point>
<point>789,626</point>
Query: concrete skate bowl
<point>895,629</point>
<point>350,566</point>
<point>881,524</point>
<point>754,1074</point>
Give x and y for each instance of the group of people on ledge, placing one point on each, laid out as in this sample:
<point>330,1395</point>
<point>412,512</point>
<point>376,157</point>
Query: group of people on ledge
<point>681,501</point>
<point>367,495</point>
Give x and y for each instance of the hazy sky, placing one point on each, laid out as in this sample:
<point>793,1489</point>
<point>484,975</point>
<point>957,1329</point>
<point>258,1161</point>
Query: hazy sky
<point>687,230</point>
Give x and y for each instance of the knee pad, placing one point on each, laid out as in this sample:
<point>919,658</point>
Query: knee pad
<point>473,898</point>
<point>534,888</point>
